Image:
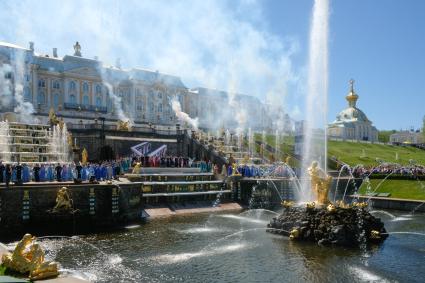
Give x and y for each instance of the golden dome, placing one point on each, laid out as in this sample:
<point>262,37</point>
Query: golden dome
<point>352,96</point>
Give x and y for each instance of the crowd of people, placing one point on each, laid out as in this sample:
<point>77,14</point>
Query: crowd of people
<point>413,171</point>
<point>163,161</point>
<point>23,173</point>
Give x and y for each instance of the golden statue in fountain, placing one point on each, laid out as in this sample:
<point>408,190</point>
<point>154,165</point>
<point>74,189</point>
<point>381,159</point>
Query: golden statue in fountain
<point>320,183</point>
<point>53,119</point>
<point>84,156</point>
<point>63,201</point>
<point>124,125</point>
<point>28,258</point>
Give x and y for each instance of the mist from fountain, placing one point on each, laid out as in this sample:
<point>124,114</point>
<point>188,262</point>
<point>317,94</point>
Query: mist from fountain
<point>227,138</point>
<point>277,143</point>
<point>58,141</point>
<point>4,141</point>
<point>251,144</point>
<point>315,145</point>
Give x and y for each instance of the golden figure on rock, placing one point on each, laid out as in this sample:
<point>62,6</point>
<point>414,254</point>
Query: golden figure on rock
<point>123,125</point>
<point>63,201</point>
<point>320,183</point>
<point>28,257</point>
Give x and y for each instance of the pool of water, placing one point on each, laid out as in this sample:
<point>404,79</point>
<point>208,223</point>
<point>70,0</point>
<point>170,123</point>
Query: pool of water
<point>236,248</point>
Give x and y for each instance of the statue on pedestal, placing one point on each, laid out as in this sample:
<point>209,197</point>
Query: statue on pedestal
<point>63,201</point>
<point>84,156</point>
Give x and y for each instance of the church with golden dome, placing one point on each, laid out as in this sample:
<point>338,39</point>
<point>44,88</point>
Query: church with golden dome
<point>352,123</point>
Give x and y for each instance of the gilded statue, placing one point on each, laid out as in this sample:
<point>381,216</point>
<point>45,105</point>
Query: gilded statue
<point>52,117</point>
<point>123,125</point>
<point>28,257</point>
<point>235,171</point>
<point>63,201</point>
<point>320,183</point>
<point>137,168</point>
<point>287,204</point>
<point>84,156</point>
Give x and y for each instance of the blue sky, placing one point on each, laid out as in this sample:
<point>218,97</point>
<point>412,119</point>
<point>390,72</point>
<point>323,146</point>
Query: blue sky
<point>254,47</point>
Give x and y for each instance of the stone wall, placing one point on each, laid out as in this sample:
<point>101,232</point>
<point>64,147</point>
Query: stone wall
<point>27,209</point>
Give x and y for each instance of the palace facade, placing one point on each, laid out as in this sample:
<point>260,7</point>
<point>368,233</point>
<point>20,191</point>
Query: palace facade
<point>79,90</point>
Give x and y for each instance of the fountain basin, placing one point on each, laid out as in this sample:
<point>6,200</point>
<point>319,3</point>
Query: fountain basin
<point>340,226</point>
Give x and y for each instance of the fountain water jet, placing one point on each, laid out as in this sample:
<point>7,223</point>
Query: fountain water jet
<point>316,109</point>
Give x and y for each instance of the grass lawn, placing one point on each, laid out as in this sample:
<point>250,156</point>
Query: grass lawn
<point>407,189</point>
<point>366,154</point>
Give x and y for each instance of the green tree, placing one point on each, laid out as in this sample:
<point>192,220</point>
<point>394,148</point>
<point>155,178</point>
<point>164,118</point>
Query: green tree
<point>384,136</point>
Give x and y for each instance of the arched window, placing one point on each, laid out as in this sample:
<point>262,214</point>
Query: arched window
<point>151,107</point>
<point>72,99</point>
<point>85,87</point>
<point>56,85</point>
<point>98,89</point>
<point>160,95</point>
<point>27,94</point>
<point>160,108</point>
<point>41,97</point>
<point>56,101</point>
<point>86,100</point>
<point>98,101</point>
<point>139,105</point>
<point>72,85</point>
<point>41,83</point>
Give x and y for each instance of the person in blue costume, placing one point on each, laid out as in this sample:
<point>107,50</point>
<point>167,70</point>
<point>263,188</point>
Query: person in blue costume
<point>14,174</point>
<point>64,173</point>
<point>91,171</point>
<point>42,173</point>
<point>26,176</point>
<point>247,171</point>
<point>97,172</point>
<point>50,174</point>
<point>229,170</point>
<point>84,173</point>
<point>103,172</point>
<point>70,173</point>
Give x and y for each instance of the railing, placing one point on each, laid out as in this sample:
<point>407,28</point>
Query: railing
<point>92,108</point>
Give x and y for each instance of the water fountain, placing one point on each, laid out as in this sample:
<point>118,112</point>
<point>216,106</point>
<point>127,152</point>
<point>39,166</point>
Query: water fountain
<point>4,141</point>
<point>329,223</point>
<point>33,143</point>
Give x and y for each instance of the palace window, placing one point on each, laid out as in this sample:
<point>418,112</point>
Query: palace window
<point>98,89</point>
<point>160,95</point>
<point>56,85</point>
<point>72,99</point>
<point>41,97</point>
<point>56,101</point>
<point>41,83</point>
<point>27,94</point>
<point>98,101</point>
<point>139,106</point>
<point>72,86</point>
<point>160,108</point>
<point>85,87</point>
<point>86,100</point>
